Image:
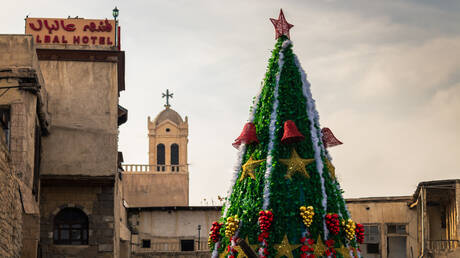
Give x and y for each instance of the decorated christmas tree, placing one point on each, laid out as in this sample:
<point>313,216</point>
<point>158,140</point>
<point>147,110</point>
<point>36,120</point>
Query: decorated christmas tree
<point>284,198</point>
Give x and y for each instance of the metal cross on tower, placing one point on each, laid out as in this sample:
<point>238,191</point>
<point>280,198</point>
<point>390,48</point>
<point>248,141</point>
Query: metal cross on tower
<point>167,96</point>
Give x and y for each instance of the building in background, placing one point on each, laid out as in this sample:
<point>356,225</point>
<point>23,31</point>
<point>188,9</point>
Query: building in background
<point>408,226</point>
<point>165,180</point>
<point>59,89</point>
<point>156,195</point>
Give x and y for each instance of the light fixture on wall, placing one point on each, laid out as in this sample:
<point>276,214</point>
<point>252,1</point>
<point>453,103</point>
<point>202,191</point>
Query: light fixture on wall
<point>115,13</point>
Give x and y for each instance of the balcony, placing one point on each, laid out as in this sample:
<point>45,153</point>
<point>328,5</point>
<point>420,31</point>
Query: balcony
<point>442,245</point>
<point>154,168</point>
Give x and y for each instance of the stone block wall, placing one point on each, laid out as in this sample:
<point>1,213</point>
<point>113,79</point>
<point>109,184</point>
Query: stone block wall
<point>11,208</point>
<point>95,200</point>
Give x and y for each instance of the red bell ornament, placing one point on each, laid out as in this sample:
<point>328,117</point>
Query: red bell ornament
<point>291,133</point>
<point>329,139</point>
<point>247,136</point>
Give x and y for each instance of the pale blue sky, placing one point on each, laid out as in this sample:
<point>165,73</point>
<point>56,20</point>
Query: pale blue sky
<point>385,76</point>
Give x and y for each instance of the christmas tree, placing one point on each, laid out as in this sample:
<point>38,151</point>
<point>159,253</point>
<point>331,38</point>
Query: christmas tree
<point>285,199</point>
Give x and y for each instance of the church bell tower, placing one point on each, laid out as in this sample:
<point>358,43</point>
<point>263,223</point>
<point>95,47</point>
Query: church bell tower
<point>168,138</point>
<point>165,180</point>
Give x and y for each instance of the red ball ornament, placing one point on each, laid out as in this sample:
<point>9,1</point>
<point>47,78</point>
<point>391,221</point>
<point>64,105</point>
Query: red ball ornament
<point>265,220</point>
<point>247,136</point>
<point>359,233</point>
<point>214,232</point>
<point>291,133</point>
<point>332,223</point>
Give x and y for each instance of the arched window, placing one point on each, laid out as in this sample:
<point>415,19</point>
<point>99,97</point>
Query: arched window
<point>160,154</point>
<point>71,227</point>
<point>174,154</point>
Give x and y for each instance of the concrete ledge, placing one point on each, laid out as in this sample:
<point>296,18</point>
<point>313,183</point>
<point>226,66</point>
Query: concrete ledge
<point>173,254</point>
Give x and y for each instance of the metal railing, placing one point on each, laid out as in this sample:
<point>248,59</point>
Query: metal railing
<point>153,168</point>
<point>442,244</point>
<point>174,246</point>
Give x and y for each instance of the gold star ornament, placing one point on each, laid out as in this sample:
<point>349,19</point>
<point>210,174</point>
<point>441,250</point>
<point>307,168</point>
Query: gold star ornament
<point>331,168</point>
<point>248,168</point>
<point>285,249</point>
<point>344,252</point>
<point>319,248</point>
<point>296,164</point>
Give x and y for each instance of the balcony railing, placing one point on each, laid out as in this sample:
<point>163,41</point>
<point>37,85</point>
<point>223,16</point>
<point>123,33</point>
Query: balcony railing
<point>153,168</point>
<point>442,244</point>
<point>174,246</point>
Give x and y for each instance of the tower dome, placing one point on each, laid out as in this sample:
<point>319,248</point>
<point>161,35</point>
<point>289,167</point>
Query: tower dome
<point>168,114</point>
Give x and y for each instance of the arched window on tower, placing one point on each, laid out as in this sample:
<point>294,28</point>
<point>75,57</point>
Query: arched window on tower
<point>174,157</point>
<point>70,227</point>
<point>160,157</point>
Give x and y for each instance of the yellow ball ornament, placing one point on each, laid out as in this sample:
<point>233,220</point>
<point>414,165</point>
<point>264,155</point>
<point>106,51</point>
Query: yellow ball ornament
<point>350,227</point>
<point>307,213</point>
<point>231,226</point>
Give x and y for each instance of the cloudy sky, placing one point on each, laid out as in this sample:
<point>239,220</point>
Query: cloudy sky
<point>385,76</point>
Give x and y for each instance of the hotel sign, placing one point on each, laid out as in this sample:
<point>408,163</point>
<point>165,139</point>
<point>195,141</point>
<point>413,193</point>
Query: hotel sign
<point>71,31</point>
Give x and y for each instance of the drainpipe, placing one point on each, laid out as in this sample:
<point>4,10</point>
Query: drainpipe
<point>422,193</point>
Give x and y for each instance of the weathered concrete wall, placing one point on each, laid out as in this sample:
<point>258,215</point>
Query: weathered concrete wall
<point>149,189</point>
<point>165,228</point>
<point>17,51</point>
<point>83,103</point>
<point>381,213</point>
<point>96,201</point>
<point>11,209</point>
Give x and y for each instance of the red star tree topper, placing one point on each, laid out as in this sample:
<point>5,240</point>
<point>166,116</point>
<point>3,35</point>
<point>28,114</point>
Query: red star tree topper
<point>282,27</point>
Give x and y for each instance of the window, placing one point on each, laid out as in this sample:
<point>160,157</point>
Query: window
<point>160,154</point>
<point>396,229</point>
<point>167,130</point>
<point>71,227</point>
<point>371,234</point>
<point>145,243</point>
<point>372,239</point>
<point>5,123</point>
<point>174,154</point>
<point>372,248</point>
<point>187,245</point>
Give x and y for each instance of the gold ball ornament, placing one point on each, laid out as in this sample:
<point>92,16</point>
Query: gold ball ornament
<point>307,214</point>
<point>231,226</point>
<point>350,229</point>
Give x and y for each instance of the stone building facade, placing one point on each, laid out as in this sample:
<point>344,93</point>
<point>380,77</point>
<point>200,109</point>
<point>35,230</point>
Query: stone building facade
<point>80,163</point>
<point>79,167</point>
<point>24,119</point>
<point>59,156</point>
<point>11,214</point>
